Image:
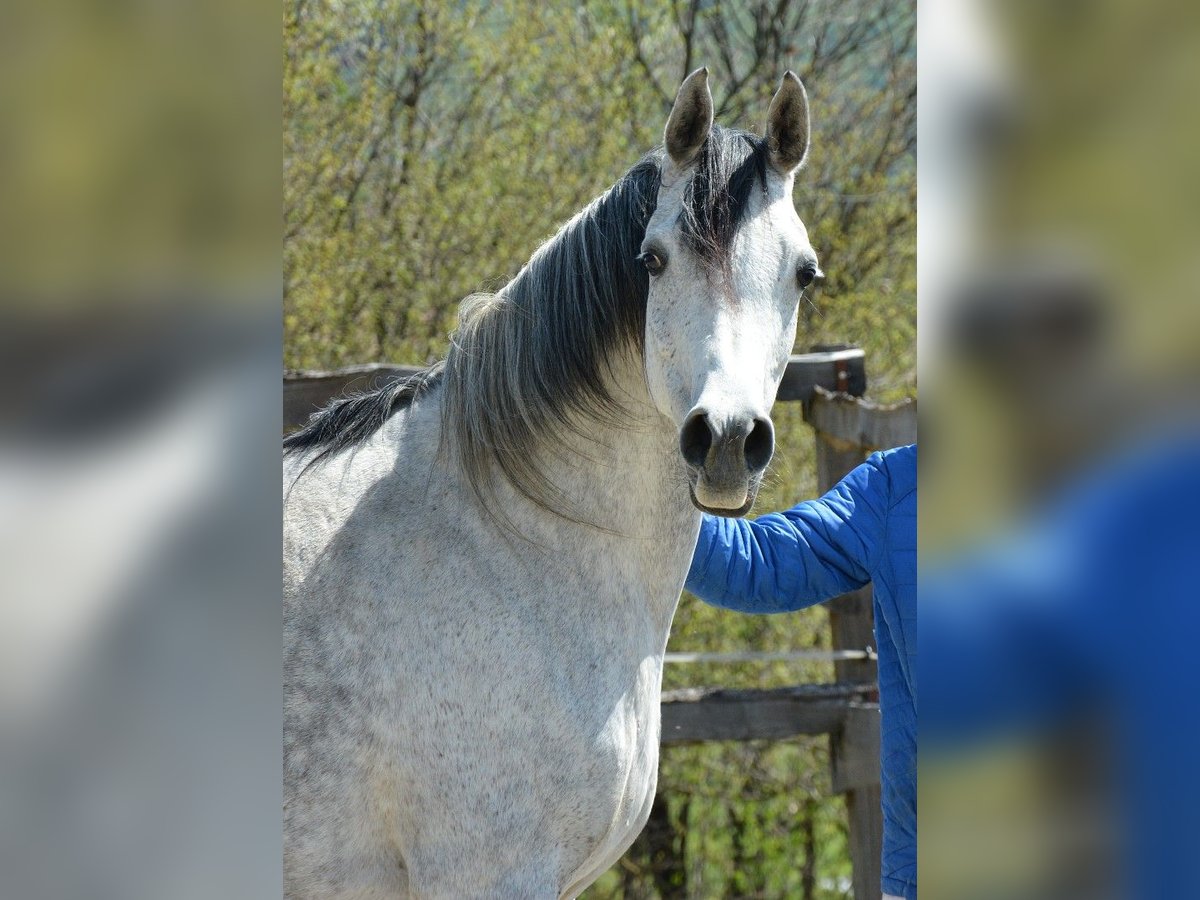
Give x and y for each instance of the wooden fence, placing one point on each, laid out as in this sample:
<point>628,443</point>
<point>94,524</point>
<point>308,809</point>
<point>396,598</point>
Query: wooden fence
<point>830,383</point>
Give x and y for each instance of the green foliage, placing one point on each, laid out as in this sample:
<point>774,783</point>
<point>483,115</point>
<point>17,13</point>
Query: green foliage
<point>429,147</point>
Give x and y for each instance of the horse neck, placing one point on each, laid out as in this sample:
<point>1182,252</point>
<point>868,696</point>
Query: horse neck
<point>625,479</point>
<point>620,578</point>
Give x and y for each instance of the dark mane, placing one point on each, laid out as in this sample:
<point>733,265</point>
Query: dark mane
<point>728,167</point>
<point>533,357</point>
<point>348,421</point>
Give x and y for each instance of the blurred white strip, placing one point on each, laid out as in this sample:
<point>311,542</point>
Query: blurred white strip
<point>76,526</point>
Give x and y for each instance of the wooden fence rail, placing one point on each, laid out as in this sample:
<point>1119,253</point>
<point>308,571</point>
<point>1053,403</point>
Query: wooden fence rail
<point>840,369</point>
<point>829,382</point>
<point>717,714</point>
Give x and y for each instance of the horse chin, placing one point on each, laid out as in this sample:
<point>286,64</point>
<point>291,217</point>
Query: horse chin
<point>726,512</point>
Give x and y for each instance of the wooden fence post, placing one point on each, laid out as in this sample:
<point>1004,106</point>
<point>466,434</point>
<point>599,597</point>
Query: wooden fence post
<point>851,620</point>
<point>852,624</point>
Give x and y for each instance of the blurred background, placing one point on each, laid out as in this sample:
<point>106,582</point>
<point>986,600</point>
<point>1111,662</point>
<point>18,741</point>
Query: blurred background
<point>139,456</point>
<point>1060,503</point>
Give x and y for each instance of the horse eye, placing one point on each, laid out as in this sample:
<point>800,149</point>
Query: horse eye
<point>653,262</point>
<point>808,272</point>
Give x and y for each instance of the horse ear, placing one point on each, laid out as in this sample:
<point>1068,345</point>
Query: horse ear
<point>787,125</point>
<point>691,119</point>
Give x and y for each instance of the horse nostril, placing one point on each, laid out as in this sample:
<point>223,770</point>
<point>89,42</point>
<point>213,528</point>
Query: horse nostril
<point>760,444</point>
<point>695,439</point>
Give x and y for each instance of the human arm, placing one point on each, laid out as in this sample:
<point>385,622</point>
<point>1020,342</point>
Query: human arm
<point>789,560</point>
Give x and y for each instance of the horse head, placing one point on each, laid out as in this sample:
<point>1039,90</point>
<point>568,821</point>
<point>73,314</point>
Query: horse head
<point>728,258</point>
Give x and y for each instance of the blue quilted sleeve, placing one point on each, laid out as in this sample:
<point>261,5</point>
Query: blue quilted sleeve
<point>786,561</point>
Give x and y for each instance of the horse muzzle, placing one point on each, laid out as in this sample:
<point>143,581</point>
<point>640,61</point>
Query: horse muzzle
<point>726,457</point>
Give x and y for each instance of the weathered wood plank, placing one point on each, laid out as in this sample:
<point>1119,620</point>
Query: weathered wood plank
<point>854,753</point>
<point>756,656</point>
<point>831,370</point>
<point>306,392</point>
<point>850,615</point>
<point>839,449</point>
<point>863,809</point>
<point>859,426</point>
<point>713,714</point>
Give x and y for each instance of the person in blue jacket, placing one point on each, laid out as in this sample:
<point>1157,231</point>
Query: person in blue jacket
<point>863,530</point>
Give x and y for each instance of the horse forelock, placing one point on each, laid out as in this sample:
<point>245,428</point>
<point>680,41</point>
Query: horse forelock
<point>729,165</point>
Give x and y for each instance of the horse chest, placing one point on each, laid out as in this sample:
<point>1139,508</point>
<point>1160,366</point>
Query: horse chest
<point>586,657</point>
<point>616,775</point>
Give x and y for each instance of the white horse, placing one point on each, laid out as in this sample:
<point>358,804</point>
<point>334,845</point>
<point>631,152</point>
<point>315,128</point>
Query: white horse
<point>481,565</point>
